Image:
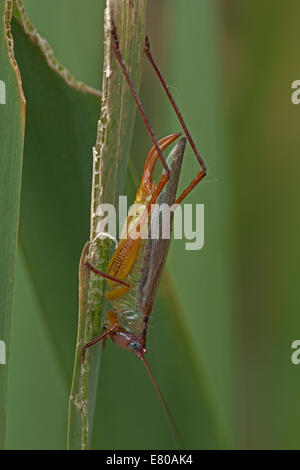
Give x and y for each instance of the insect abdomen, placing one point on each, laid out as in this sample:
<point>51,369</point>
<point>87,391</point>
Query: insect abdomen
<point>131,321</point>
<point>123,258</point>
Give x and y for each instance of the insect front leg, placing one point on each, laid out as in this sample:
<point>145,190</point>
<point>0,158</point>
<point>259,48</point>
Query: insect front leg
<point>99,338</point>
<point>202,172</point>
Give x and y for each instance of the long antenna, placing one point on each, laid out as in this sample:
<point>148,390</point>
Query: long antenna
<point>167,413</point>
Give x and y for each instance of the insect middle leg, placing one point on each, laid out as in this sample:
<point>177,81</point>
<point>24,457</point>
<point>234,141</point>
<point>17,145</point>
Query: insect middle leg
<point>106,276</point>
<point>202,172</point>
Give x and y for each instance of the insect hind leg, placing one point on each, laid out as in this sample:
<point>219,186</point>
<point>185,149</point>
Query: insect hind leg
<point>202,172</point>
<point>136,97</point>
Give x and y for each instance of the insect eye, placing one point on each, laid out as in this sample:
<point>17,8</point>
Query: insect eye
<point>134,345</point>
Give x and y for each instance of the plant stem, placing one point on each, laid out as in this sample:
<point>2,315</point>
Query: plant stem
<point>110,157</point>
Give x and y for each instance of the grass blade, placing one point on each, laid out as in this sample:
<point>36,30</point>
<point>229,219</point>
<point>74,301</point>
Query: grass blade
<point>12,111</point>
<point>110,161</point>
<point>60,130</point>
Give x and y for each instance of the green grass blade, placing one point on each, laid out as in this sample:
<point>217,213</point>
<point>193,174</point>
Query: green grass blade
<point>38,395</point>
<point>12,111</point>
<point>110,162</point>
<point>189,348</point>
<point>61,125</point>
<point>263,130</point>
<point>60,130</point>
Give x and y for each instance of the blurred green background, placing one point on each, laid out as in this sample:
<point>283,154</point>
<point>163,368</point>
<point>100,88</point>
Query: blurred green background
<point>235,311</point>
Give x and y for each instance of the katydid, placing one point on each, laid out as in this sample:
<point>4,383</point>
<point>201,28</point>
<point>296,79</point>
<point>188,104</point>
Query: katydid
<point>136,266</point>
